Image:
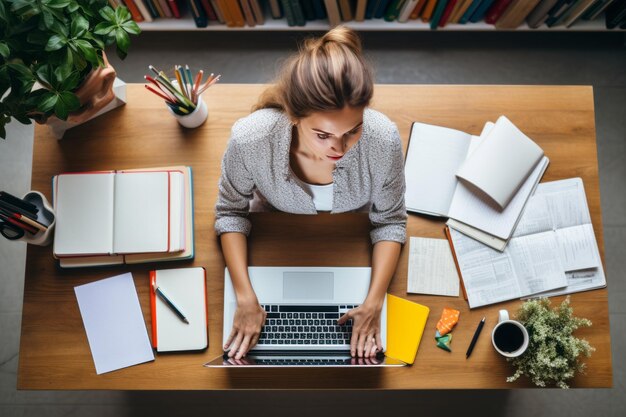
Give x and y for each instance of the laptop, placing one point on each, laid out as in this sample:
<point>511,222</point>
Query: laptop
<point>303,305</point>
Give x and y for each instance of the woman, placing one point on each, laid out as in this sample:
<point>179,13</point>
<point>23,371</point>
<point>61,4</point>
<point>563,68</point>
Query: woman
<point>313,145</point>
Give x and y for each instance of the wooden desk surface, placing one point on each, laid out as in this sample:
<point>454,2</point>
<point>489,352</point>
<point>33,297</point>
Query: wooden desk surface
<point>54,353</point>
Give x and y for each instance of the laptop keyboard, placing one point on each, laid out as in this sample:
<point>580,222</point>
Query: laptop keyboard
<point>305,325</point>
<point>297,361</point>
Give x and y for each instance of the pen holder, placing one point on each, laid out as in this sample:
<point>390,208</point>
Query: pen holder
<point>45,216</point>
<point>195,118</point>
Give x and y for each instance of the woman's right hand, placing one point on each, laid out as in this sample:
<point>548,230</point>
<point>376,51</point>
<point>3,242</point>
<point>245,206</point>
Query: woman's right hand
<point>249,318</point>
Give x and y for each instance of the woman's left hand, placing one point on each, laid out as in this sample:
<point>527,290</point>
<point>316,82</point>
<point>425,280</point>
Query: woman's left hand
<point>366,341</point>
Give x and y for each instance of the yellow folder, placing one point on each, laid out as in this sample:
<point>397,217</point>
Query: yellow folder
<point>405,324</point>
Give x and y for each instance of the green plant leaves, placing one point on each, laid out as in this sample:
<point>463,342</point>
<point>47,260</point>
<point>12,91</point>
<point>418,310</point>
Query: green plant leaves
<point>55,42</point>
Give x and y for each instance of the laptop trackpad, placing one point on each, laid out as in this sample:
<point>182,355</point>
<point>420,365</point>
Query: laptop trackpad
<point>308,285</point>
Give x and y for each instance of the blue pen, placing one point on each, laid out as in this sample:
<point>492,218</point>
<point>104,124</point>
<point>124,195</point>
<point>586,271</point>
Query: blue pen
<point>169,302</point>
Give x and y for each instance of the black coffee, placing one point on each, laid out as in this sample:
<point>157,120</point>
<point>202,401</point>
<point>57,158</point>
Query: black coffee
<point>508,337</point>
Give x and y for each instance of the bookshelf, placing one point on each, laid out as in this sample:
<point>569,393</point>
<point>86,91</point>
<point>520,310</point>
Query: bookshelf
<point>186,23</point>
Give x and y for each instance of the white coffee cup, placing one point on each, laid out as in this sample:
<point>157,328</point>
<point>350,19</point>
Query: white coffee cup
<point>509,337</point>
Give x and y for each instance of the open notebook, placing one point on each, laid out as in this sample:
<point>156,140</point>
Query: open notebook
<point>152,216</point>
<point>186,287</point>
<point>437,156</point>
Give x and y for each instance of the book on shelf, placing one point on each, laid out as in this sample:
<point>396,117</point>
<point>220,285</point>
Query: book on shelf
<point>332,8</point>
<point>438,13</point>
<point>553,251</point>
<point>143,9</point>
<point>496,11</point>
<point>393,10</point>
<point>247,13</point>
<point>174,7</point>
<point>257,11</point>
<point>186,288</point>
<point>381,9</point>
<point>208,9</point>
<point>417,10</point>
<point>616,14</point>
<point>577,12</point>
<point>447,12</point>
<point>596,9</point>
<point>359,13</point>
<point>200,17</point>
<point>469,12</point>
<point>275,9</point>
<point>442,178</point>
<point>320,9</point>
<point>539,14</point>
<point>134,11</point>
<point>557,11</point>
<point>429,9</point>
<point>236,13</point>
<point>165,8</point>
<point>298,13</point>
<point>481,11</point>
<point>129,216</point>
<point>345,8</point>
<point>516,14</point>
<point>307,9</point>
<point>460,12</point>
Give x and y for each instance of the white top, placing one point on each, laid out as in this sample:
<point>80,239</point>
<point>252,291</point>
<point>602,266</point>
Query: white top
<point>322,194</point>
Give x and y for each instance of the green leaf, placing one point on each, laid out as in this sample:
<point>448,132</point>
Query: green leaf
<point>107,14</point>
<point>61,73</point>
<point>4,50</point>
<point>79,26</point>
<point>123,42</point>
<point>55,43</point>
<point>132,27</point>
<point>122,15</point>
<point>70,82</point>
<point>103,28</point>
<point>48,18</point>
<point>66,103</point>
<point>46,75</point>
<point>58,4</point>
<point>22,70</point>
<point>89,52</point>
<point>47,102</point>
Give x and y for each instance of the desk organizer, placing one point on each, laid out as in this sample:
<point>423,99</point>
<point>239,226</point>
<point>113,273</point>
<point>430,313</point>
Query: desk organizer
<point>45,216</point>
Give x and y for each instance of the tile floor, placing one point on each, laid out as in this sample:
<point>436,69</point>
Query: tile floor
<point>597,59</point>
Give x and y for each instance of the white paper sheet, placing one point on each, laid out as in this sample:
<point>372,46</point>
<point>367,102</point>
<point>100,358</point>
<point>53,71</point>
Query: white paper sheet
<point>114,323</point>
<point>431,268</point>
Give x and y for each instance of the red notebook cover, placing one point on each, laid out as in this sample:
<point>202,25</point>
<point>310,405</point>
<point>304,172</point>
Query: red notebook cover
<point>495,12</point>
<point>446,13</point>
<point>174,7</point>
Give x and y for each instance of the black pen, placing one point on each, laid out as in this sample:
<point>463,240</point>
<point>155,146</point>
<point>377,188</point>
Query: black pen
<point>170,303</point>
<point>475,338</point>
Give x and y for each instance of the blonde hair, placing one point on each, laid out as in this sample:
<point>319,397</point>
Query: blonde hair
<point>328,73</point>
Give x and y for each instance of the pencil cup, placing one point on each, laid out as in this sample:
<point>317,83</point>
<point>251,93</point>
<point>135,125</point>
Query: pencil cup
<point>195,118</point>
<point>45,216</point>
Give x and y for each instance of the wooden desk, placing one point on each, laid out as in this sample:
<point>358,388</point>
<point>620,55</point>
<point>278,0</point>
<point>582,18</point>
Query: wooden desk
<point>54,353</point>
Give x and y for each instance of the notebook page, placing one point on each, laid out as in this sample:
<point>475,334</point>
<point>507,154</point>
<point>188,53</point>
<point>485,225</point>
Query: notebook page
<point>433,157</point>
<point>114,323</point>
<point>186,288</point>
<point>471,209</point>
<point>141,212</point>
<point>502,163</point>
<point>529,265</point>
<point>84,214</point>
<point>431,268</point>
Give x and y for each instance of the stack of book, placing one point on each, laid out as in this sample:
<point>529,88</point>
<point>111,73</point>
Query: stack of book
<point>117,217</point>
<point>503,14</point>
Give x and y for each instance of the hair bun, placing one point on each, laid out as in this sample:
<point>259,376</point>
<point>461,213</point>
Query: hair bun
<point>340,35</point>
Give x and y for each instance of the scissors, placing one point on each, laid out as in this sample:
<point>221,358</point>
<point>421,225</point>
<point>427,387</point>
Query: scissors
<point>10,231</point>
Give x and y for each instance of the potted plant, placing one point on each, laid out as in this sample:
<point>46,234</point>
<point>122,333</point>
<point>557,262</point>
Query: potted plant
<point>553,354</point>
<point>52,60</point>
